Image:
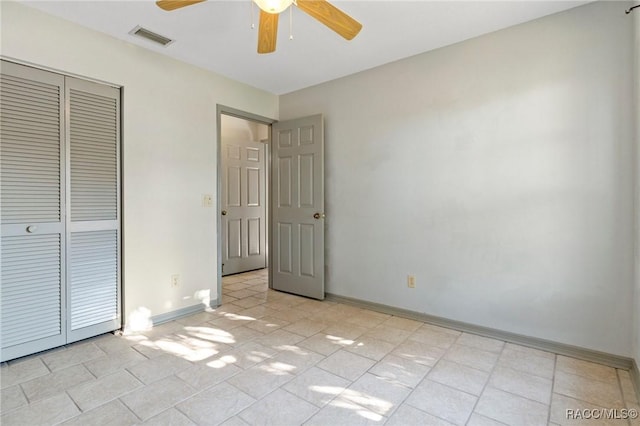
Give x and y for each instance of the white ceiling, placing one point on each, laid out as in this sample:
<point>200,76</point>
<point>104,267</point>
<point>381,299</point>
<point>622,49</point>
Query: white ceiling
<point>217,35</point>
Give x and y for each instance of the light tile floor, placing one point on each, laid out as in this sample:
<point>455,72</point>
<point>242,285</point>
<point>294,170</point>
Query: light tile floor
<point>266,357</point>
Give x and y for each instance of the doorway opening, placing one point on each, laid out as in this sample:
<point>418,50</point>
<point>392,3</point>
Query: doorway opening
<point>243,193</point>
<point>294,221</point>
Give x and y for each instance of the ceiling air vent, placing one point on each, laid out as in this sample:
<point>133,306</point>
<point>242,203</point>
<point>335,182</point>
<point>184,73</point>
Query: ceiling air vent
<point>151,36</point>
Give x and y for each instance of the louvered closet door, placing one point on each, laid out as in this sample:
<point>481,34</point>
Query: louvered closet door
<point>93,196</point>
<point>32,295</point>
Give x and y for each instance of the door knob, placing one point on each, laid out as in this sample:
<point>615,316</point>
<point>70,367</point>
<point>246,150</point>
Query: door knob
<point>224,212</point>
<point>32,228</point>
<point>318,215</point>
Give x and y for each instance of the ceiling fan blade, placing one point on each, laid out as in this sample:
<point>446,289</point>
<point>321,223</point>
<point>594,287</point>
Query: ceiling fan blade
<point>267,32</point>
<point>175,4</point>
<point>331,16</point>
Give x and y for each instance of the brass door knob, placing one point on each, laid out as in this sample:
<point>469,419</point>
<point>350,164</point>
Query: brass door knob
<point>318,215</point>
<point>224,212</point>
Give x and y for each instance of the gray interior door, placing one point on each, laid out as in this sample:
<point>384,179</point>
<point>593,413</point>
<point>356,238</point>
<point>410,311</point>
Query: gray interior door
<point>33,211</point>
<point>243,206</point>
<point>297,221</point>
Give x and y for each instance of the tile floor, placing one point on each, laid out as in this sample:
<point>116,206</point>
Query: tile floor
<point>265,357</point>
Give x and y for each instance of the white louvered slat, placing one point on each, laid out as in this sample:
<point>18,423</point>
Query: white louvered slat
<point>93,153</point>
<point>28,92</point>
<point>19,106</point>
<point>93,277</point>
<point>11,130</point>
<point>30,165</point>
<point>30,296</point>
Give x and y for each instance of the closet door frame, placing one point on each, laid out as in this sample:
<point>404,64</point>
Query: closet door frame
<point>66,227</point>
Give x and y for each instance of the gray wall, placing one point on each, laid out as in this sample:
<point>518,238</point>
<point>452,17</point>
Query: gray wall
<point>499,171</point>
<point>636,310</point>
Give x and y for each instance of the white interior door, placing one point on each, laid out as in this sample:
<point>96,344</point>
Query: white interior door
<point>60,210</point>
<point>297,191</point>
<point>93,198</point>
<point>32,156</point>
<point>243,207</point>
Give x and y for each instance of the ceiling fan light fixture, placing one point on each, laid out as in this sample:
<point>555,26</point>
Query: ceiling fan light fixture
<point>273,6</point>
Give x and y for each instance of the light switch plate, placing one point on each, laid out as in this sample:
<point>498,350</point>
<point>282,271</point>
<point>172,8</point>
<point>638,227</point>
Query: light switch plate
<point>411,281</point>
<point>207,200</point>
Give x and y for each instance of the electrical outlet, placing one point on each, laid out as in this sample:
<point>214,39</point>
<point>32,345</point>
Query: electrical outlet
<point>411,281</point>
<point>175,280</point>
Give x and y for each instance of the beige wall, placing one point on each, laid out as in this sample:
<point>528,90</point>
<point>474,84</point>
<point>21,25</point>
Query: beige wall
<point>169,150</point>
<point>498,171</point>
<point>238,129</point>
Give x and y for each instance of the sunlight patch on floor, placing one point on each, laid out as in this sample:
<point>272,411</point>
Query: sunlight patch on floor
<point>211,334</point>
<point>340,340</point>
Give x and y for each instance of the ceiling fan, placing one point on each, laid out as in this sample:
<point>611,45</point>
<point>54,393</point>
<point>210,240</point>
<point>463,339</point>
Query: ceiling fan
<point>321,10</point>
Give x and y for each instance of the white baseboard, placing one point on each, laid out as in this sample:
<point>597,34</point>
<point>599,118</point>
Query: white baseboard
<point>182,312</point>
<point>611,360</point>
<point>635,376</point>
